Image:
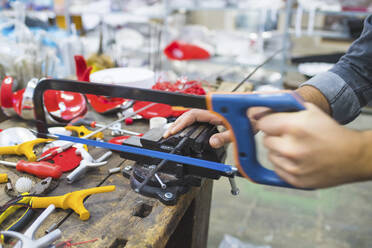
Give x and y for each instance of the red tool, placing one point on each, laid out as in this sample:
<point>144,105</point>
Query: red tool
<point>39,169</point>
<point>66,160</point>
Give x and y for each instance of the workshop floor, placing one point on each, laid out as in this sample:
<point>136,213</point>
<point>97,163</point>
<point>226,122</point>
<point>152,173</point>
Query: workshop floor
<point>282,218</point>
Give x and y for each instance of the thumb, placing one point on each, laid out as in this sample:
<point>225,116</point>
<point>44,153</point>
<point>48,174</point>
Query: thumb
<point>219,139</point>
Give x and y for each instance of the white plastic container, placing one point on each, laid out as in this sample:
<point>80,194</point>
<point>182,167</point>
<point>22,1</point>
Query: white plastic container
<point>130,76</point>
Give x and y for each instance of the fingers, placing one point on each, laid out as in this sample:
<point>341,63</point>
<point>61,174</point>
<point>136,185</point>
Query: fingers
<point>257,113</point>
<point>286,169</point>
<point>275,124</point>
<point>189,118</point>
<point>219,139</point>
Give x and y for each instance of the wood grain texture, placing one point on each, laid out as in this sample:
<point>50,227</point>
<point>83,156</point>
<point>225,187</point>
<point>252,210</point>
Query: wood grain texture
<point>116,217</point>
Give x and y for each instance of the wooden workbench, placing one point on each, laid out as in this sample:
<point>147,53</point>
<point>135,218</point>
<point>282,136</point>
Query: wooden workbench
<point>124,218</point>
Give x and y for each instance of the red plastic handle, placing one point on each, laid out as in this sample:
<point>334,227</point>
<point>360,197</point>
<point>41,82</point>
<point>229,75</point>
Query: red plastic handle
<point>39,169</point>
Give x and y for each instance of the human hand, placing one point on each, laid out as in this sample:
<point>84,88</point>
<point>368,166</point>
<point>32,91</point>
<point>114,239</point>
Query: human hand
<point>198,115</point>
<point>310,150</point>
<point>219,139</point>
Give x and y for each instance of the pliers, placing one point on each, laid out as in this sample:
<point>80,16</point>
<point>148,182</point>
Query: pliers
<point>23,200</point>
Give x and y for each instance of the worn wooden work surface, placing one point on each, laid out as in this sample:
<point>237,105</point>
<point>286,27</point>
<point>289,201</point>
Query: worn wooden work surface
<point>118,219</point>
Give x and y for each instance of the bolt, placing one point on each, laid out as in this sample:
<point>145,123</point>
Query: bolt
<point>163,185</point>
<point>234,188</point>
<point>168,195</point>
<point>128,168</point>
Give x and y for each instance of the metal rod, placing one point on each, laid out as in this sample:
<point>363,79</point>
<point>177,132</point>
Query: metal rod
<point>258,67</point>
<point>122,131</point>
<point>160,165</point>
<point>118,120</point>
<point>68,145</point>
<point>163,185</point>
<point>12,164</point>
<point>234,189</point>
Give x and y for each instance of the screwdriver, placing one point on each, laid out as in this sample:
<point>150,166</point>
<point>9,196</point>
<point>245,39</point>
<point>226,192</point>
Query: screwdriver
<point>39,169</point>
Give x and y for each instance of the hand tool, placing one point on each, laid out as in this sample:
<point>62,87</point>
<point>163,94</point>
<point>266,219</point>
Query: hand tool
<point>171,180</point>
<point>26,148</point>
<point>39,169</point>
<point>73,200</point>
<point>19,201</point>
<point>15,135</point>
<point>86,163</point>
<point>66,160</point>
<point>68,145</point>
<point>23,184</point>
<point>94,124</point>
<point>27,240</point>
<point>83,131</point>
<point>61,221</point>
<point>231,107</point>
<point>3,178</point>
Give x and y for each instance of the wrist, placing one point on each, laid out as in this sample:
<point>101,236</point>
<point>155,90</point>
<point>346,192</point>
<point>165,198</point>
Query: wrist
<point>315,96</point>
<point>364,154</point>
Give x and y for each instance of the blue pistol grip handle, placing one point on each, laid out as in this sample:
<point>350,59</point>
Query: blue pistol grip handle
<point>233,109</point>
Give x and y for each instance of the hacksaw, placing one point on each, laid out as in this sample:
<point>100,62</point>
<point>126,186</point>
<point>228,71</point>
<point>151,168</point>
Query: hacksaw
<point>231,107</point>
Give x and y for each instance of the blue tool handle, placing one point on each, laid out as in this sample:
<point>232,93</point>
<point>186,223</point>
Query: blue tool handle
<point>233,108</point>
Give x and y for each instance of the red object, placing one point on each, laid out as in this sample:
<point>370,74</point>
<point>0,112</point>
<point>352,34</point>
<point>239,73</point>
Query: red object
<point>189,87</point>
<point>158,110</point>
<point>39,169</point>
<point>118,140</point>
<point>355,8</point>
<point>93,124</point>
<point>64,106</point>
<point>103,105</point>
<point>100,104</point>
<point>128,121</point>
<point>66,160</point>
<point>178,50</point>
<point>81,68</point>
<point>17,101</point>
<point>178,111</point>
<point>6,94</point>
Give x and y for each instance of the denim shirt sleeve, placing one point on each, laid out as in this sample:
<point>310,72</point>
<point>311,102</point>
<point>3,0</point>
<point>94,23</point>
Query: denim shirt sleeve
<point>348,85</point>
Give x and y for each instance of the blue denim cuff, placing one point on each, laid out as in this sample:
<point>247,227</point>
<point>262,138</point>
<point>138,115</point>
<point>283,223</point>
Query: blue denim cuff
<point>343,101</point>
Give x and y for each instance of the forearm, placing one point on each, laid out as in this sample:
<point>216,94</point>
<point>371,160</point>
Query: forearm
<point>313,95</point>
<point>364,155</point>
<point>347,86</point>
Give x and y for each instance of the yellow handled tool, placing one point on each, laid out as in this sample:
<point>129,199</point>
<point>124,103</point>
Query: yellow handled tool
<point>73,200</point>
<point>83,131</point>
<point>26,148</point>
<point>12,209</point>
<point>3,178</point>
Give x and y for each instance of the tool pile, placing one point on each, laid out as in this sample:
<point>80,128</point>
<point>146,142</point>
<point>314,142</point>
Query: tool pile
<point>30,195</point>
<point>66,162</point>
<point>164,168</point>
